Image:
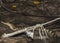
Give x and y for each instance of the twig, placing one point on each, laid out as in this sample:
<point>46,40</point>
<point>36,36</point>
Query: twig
<point>29,28</point>
<point>20,31</point>
<point>10,25</point>
<point>51,21</point>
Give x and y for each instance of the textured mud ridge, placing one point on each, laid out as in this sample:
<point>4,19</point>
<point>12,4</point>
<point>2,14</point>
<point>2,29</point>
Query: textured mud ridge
<point>27,13</point>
